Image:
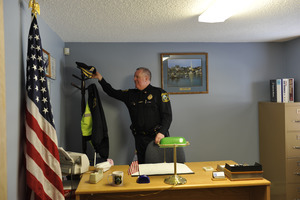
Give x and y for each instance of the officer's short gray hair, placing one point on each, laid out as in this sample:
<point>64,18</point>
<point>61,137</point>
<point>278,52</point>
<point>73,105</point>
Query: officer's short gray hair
<point>145,71</point>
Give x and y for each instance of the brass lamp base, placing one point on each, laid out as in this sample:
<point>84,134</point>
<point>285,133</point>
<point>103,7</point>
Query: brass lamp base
<point>175,180</point>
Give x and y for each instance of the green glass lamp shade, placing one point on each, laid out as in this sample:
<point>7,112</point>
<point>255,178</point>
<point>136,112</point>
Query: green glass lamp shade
<point>169,142</point>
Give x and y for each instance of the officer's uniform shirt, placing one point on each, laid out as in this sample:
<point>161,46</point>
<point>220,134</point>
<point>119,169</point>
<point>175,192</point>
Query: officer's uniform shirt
<point>150,113</point>
<point>148,108</point>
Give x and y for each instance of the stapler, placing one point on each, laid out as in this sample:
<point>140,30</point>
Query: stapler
<point>96,176</point>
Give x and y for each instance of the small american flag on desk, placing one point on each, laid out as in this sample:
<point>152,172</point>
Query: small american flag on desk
<point>43,172</point>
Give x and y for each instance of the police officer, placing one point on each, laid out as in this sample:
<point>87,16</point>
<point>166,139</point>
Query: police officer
<point>149,108</point>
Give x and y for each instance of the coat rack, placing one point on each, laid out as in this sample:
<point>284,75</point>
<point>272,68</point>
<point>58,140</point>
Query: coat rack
<point>82,88</point>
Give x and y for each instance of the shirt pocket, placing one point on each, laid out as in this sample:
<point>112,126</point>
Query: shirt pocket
<point>151,106</point>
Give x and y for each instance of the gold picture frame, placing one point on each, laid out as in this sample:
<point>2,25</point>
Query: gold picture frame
<point>184,73</point>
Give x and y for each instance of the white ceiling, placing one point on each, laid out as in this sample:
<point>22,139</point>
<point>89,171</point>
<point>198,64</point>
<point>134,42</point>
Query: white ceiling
<point>168,21</point>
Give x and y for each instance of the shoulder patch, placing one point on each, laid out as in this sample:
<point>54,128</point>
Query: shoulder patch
<point>124,90</point>
<point>165,97</point>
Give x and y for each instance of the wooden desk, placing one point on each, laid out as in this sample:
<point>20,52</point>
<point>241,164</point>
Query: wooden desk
<point>199,186</point>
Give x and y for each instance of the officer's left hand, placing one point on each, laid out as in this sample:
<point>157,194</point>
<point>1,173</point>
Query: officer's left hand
<point>158,137</point>
<point>97,75</point>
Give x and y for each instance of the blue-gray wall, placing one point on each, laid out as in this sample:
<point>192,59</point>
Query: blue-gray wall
<point>292,63</point>
<point>219,125</point>
<point>222,124</point>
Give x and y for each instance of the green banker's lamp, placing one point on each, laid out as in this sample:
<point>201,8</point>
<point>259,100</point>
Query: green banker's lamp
<point>174,142</point>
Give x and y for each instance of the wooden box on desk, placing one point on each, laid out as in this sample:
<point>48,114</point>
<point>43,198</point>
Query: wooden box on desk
<point>246,175</point>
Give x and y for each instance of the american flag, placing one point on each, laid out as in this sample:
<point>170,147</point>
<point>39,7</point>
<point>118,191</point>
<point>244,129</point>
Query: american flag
<point>134,166</point>
<point>43,173</point>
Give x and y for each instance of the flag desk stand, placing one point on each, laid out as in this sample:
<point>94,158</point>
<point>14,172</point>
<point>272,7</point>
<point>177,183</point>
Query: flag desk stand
<point>174,179</point>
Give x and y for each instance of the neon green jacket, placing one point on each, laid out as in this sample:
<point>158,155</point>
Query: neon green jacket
<point>87,122</point>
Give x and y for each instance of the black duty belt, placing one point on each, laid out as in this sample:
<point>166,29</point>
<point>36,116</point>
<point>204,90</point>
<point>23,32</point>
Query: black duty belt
<point>153,131</point>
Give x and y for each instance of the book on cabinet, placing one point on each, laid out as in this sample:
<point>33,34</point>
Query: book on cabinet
<point>282,90</point>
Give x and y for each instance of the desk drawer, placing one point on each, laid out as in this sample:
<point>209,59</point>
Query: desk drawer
<point>293,170</point>
<point>293,144</point>
<point>293,192</point>
<point>293,118</point>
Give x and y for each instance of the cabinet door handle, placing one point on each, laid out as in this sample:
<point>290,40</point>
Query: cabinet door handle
<point>296,147</point>
<point>297,173</point>
<point>296,121</point>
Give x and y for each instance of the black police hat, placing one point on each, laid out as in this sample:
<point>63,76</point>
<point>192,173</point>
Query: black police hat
<point>86,70</point>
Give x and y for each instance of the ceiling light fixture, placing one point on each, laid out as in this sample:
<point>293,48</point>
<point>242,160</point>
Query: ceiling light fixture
<point>221,10</point>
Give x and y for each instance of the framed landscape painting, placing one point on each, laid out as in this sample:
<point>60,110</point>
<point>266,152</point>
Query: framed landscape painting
<point>184,73</point>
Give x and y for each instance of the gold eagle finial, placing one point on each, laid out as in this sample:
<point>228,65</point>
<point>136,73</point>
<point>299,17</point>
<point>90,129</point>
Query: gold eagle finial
<point>35,7</point>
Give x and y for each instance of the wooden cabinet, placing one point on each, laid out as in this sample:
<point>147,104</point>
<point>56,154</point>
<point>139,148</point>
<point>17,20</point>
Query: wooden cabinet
<point>279,143</point>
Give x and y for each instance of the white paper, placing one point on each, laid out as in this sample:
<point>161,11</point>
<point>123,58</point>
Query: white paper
<point>162,169</point>
<point>53,67</point>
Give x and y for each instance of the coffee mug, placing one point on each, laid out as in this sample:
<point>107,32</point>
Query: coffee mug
<point>117,178</point>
